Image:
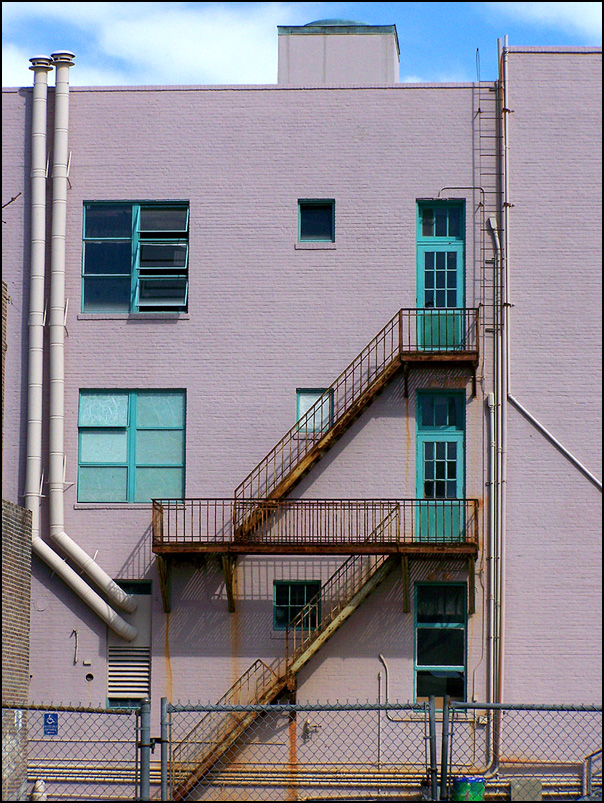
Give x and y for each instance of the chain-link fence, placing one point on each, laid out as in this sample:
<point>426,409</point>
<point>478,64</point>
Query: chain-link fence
<point>299,752</point>
<point>70,753</point>
<point>522,752</point>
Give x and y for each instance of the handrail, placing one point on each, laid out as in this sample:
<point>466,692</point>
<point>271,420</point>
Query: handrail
<point>411,332</point>
<point>311,523</point>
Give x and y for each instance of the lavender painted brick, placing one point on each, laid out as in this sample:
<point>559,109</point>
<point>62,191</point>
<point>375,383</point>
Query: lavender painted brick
<point>266,317</point>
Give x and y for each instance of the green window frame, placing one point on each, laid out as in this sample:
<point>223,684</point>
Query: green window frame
<point>135,256</point>
<point>290,597</point>
<point>322,418</point>
<point>440,254</point>
<point>440,648</point>
<point>131,445</point>
<point>316,220</point>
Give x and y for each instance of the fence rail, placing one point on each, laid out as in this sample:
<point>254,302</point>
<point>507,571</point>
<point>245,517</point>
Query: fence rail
<point>313,525</point>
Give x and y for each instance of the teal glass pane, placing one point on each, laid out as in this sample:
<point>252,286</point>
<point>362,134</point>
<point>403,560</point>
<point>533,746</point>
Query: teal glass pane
<point>162,255</point>
<point>105,294</point>
<point>103,484</point>
<point>158,483</point>
<point>163,218</point>
<point>436,647</point>
<point>103,409</point>
<point>108,220</point>
<point>163,447</point>
<point>440,604</point>
<point>161,409</point>
<point>108,257</point>
<point>103,446</point>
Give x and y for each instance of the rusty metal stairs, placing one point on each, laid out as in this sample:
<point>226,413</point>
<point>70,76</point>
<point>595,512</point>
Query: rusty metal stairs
<point>340,596</point>
<point>395,347</point>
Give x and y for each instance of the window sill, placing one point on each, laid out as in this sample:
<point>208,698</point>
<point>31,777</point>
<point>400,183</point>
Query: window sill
<point>112,506</point>
<point>136,316</point>
<point>315,246</point>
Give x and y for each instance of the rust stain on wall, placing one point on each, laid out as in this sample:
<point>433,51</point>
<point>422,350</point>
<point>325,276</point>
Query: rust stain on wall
<point>293,759</point>
<point>168,659</point>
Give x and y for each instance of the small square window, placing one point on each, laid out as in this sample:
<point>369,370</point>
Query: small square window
<point>317,221</point>
<point>290,598</point>
<point>314,410</point>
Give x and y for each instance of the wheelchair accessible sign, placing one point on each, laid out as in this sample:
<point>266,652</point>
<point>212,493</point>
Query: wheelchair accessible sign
<point>51,724</point>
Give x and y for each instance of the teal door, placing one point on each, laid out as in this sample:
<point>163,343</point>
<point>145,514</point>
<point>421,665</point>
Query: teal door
<point>440,276</point>
<point>440,513</point>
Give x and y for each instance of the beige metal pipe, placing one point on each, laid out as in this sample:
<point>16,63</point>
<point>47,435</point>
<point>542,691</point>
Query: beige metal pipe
<point>41,65</point>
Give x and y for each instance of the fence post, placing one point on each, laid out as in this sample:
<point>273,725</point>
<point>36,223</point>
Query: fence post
<point>445,749</point>
<point>432,735</point>
<point>164,747</point>
<point>145,748</point>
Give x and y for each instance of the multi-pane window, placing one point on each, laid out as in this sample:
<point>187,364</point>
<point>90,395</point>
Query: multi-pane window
<point>314,410</point>
<point>440,641</point>
<point>316,221</point>
<point>135,257</point>
<point>440,441</point>
<point>131,445</point>
<point>440,240</point>
<point>290,597</point>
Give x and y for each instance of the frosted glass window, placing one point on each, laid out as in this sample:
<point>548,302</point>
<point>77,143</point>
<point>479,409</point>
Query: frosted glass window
<point>103,484</point>
<point>163,447</point>
<point>160,409</point>
<point>103,409</point>
<point>103,446</point>
<point>158,483</point>
<point>131,445</point>
<point>321,417</point>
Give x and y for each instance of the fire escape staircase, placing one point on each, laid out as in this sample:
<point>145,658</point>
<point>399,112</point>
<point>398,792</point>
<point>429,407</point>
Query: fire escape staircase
<point>218,731</point>
<point>400,344</point>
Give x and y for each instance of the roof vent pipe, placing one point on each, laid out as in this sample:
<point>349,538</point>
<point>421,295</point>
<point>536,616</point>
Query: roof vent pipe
<point>63,60</point>
<point>41,66</point>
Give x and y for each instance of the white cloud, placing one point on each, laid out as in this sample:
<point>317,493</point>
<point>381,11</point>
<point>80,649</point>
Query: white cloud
<point>157,43</point>
<point>584,19</point>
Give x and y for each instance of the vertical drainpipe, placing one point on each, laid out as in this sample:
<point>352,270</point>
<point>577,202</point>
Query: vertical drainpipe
<point>41,65</point>
<point>63,60</point>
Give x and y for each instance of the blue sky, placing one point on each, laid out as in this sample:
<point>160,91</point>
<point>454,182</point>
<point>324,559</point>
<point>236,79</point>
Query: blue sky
<point>236,43</point>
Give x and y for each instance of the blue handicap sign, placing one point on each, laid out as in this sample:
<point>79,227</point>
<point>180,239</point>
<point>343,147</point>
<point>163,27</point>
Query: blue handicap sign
<point>51,724</point>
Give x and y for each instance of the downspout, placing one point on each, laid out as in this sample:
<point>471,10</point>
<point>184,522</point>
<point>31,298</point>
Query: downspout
<point>41,66</point>
<point>63,60</point>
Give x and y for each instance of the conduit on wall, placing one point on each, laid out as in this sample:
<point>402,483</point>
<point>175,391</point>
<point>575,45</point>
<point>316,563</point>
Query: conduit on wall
<point>41,66</point>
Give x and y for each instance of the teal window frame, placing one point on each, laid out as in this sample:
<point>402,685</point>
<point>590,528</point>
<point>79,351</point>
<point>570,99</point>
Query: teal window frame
<point>307,204</point>
<point>444,433</point>
<point>128,436</point>
<point>292,608</point>
<point>461,625</point>
<point>151,288</point>
<point>320,426</point>
<point>451,241</point>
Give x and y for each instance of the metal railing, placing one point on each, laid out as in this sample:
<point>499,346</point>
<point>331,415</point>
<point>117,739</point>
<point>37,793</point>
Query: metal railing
<point>313,524</point>
<point>410,334</point>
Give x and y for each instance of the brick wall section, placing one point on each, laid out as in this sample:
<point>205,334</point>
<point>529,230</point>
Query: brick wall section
<point>4,347</point>
<point>16,590</point>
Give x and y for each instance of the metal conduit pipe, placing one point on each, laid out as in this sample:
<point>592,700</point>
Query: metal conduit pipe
<point>63,60</point>
<point>41,65</point>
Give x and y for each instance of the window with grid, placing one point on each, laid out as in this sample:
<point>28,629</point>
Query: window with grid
<point>131,445</point>
<point>135,257</point>
<point>289,597</point>
<point>440,641</point>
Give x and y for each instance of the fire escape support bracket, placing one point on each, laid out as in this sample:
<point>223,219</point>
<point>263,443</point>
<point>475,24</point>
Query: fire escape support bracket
<point>471,587</point>
<point>406,583</point>
<point>228,567</point>
<point>164,572</point>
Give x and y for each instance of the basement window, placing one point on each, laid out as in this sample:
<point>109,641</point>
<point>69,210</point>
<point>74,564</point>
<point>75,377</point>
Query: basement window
<point>135,257</point>
<point>290,598</point>
<point>316,221</point>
